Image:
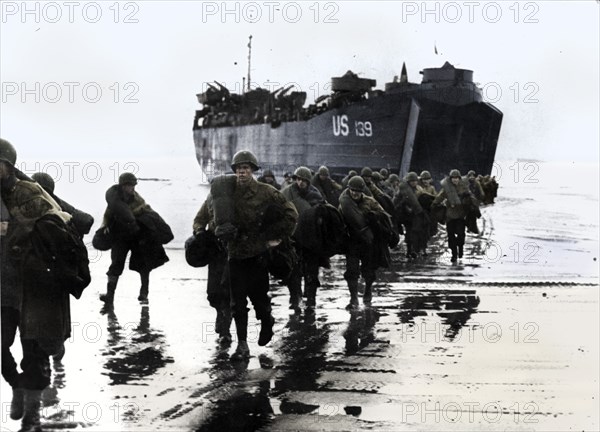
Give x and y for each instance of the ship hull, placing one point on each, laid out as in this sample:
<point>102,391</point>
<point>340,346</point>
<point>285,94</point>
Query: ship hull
<point>390,131</point>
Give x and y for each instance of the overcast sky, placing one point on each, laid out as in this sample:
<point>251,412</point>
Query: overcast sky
<point>538,62</point>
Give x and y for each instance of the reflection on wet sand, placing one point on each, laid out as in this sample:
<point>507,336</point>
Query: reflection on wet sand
<point>455,307</point>
<point>360,331</point>
<point>133,354</point>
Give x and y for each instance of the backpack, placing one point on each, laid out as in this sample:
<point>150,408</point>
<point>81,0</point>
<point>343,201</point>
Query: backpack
<point>59,248</point>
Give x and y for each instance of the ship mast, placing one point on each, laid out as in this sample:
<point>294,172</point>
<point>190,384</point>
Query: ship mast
<point>249,59</point>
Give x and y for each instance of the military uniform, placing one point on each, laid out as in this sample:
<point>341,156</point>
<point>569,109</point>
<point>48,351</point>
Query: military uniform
<point>359,257</point>
<point>247,245</point>
<point>308,265</point>
<point>329,188</point>
<point>413,216</point>
<point>218,275</point>
<point>452,196</point>
<point>39,306</point>
<point>121,217</point>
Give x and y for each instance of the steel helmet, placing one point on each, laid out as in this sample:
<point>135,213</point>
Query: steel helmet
<point>455,173</point>
<point>302,173</point>
<point>384,173</point>
<point>324,171</point>
<point>366,172</point>
<point>357,183</point>
<point>393,178</point>
<point>7,152</point>
<point>411,176</point>
<point>45,181</point>
<point>471,173</point>
<point>127,178</point>
<point>352,173</point>
<point>268,173</point>
<point>425,175</point>
<point>377,177</point>
<point>245,156</point>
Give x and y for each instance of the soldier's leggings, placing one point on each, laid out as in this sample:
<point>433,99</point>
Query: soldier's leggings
<point>118,255</point>
<point>249,278</point>
<point>217,287</point>
<point>10,322</point>
<point>35,365</point>
<point>456,232</point>
<point>358,260</point>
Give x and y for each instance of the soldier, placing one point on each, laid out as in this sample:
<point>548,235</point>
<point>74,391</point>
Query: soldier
<point>393,182</point>
<point>361,255</point>
<point>426,193</point>
<point>475,186</point>
<point>218,277</point>
<point>381,185</point>
<point>11,293</point>
<point>411,214</point>
<point>346,179</point>
<point>287,179</point>
<point>304,196</point>
<point>425,185</point>
<point>452,193</point>
<point>82,221</point>
<point>490,188</point>
<point>269,178</point>
<point>329,188</point>
<point>384,174</point>
<point>36,302</point>
<point>125,208</point>
<point>248,242</point>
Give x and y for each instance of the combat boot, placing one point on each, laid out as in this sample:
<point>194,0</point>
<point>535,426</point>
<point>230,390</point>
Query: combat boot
<point>460,251</point>
<point>353,288</point>
<point>145,278</point>
<point>454,253</point>
<point>311,296</point>
<point>266,330</point>
<point>18,403</point>
<point>31,416</point>
<point>111,286</point>
<point>367,296</point>
<point>222,324</point>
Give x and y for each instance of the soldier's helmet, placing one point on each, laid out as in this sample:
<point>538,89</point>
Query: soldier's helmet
<point>324,171</point>
<point>376,177</point>
<point>471,173</point>
<point>357,183</point>
<point>245,157</point>
<point>7,152</point>
<point>268,173</point>
<point>302,173</point>
<point>411,176</point>
<point>384,173</point>
<point>425,175</point>
<point>366,172</point>
<point>127,178</point>
<point>393,178</point>
<point>352,173</point>
<point>455,173</point>
<point>45,181</point>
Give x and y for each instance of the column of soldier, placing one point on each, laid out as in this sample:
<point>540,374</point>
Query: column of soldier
<point>246,230</point>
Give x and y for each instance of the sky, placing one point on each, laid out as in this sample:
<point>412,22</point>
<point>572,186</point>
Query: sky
<point>87,80</point>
